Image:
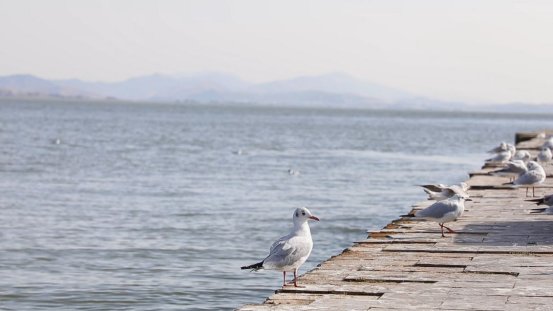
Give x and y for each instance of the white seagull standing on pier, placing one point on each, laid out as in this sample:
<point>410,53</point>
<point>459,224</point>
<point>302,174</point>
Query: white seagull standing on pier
<point>500,157</point>
<point>545,155</point>
<point>502,147</point>
<point>503,153</point>
<point>290,251</point>
<point>534,176</point>
<point>522,155</point>
<point>445,211</point>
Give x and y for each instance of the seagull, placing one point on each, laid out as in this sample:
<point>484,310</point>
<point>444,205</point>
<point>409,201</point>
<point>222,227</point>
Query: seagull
<point>290,251</point>
<point>513,169</point>
<point>549,142</point>
<point>445,211</point>
<point>546,200</point>
<point>501,157</point>
<point>522,155</point>
<point>544,155</point>
<point>534,176</point>
<point>440,192</point>
<point>293,172</point>
<point>502,147</point>
<point>512,149</point>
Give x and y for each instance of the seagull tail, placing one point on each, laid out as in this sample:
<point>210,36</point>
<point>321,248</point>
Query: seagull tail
<point>407,215</point>
<point>537,201</point>
<point>254,267</point>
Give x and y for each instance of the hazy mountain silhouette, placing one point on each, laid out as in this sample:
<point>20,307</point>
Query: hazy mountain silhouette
<point>160,87</point>
<point>28,85</point>
<point>338,83</point>
<point>327,90</point>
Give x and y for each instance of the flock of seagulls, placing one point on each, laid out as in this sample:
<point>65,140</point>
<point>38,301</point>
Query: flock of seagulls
<point>519,167</point>
<point>289,252</point>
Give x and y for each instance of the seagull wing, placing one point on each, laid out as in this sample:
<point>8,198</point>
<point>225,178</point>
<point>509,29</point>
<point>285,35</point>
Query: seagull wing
<point>434,188</point>
<point>288,250</point>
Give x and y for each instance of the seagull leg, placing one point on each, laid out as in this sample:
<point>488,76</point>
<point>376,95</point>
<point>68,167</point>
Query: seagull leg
<point>296,278</point>
<point>449,229</point>
<point>526,191</point>
<point>283,278</point>
<point>533,193</point>
<point>442,227</point>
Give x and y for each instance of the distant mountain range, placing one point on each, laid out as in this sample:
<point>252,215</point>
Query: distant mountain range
<point>336,90</point>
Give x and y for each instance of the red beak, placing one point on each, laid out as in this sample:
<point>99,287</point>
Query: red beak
<point>314,218</point>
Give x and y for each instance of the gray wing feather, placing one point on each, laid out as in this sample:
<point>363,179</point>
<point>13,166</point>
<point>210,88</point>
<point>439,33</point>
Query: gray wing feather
<point>433,188</point>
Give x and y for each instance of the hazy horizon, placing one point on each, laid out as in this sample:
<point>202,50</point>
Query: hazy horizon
<point>471,51</point>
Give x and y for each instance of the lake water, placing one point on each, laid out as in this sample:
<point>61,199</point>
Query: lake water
<point>118,206</point>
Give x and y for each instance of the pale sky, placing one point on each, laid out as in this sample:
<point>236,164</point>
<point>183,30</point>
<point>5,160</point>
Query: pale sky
<point>468,50</point>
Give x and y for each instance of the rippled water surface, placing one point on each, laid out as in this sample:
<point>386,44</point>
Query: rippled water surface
<point>114,206</point>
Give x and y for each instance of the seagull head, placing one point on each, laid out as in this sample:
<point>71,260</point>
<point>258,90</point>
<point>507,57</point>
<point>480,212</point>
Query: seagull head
<point>464,186</point>
<point>302,215</point>
<point>532,165</point>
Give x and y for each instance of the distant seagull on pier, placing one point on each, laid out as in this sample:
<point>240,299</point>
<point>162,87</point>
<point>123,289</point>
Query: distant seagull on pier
<point>444,211</point>
<point>512,149</point>
<point>534,176</point>
<point>548,143</point>
<point>522,155</point>
<point>512,169</point>
<point>546,200</point>
<point>544,155</point>
<point>500,157</point>
<point>502,147</point>
<point>503,153</point>
<point>290,251</point>
<point>440,192</point>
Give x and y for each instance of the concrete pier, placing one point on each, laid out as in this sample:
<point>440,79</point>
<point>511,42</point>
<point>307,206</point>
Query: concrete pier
<point>501,258</point>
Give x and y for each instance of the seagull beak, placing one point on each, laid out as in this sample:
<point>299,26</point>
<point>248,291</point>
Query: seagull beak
<point>314,218</point>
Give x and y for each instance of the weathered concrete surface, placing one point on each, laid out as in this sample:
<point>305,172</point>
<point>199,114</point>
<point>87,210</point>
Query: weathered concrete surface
<point>501,258</point>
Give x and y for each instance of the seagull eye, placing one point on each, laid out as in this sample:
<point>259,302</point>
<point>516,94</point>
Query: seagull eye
<point>303,213</point>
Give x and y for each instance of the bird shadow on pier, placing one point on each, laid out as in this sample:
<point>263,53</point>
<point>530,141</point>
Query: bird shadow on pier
<point>507,233</point>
